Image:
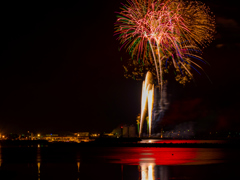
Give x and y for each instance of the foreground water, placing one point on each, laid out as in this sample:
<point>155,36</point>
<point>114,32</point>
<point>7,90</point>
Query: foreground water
<point>42,162</point>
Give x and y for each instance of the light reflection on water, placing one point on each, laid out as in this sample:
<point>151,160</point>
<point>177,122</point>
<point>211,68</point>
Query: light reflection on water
<point>38,160</point>
<point>165,156</point>
<point>38,164</point>
<point>147,171</point>
<point>78,165</point>
<point>149,163</point>
<point>0,155</point>
<point>154,162</point>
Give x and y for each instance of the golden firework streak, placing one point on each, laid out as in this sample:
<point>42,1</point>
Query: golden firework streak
<point>147,98</point>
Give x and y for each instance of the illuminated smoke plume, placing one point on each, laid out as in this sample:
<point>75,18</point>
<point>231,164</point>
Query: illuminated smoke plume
<point>159,108</point>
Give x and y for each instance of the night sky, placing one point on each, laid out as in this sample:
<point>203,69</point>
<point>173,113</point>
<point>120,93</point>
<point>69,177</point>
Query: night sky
<point>60,71</point>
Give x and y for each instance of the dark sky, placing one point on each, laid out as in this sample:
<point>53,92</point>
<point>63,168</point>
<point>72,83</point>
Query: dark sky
<point>60,70</point>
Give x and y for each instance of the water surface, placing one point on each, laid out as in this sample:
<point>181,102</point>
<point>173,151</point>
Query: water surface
<point>42,162</point>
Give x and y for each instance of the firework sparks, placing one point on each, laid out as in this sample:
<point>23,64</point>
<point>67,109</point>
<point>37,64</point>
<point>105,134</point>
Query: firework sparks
<point>158,30</point>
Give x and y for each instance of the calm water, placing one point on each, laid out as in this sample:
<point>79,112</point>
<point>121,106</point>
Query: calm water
<point>125,163</point>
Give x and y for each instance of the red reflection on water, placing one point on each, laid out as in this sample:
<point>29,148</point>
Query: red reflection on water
<point>173,156</point>
<point>159,156</point>
<point>173,141</point>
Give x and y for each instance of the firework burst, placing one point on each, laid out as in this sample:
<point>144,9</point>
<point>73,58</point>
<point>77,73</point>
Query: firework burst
<point>166,32</point>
